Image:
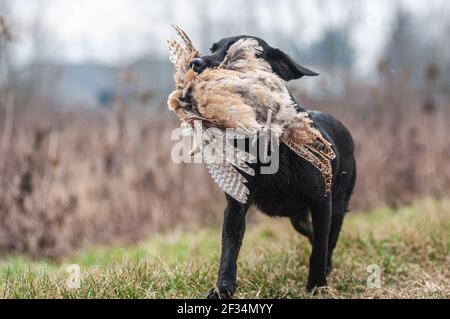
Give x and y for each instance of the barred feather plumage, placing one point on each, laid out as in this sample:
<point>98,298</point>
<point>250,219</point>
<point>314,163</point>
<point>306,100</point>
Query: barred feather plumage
<point>229,180</point>
<point>223,165</point>
<point>176,52</point>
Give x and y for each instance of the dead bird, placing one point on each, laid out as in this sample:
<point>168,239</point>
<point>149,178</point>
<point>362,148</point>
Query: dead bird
<point>243,93</point>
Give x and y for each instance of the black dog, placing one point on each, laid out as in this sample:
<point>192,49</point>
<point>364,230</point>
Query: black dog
<point>295,191</point>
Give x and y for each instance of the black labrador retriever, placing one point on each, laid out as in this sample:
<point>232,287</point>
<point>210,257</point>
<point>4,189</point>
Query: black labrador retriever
<point>296,191</point>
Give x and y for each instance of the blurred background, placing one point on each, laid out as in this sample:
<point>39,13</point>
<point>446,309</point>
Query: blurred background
<point>85,131</point>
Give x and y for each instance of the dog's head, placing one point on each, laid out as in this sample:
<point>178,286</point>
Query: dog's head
<point>282,64</point>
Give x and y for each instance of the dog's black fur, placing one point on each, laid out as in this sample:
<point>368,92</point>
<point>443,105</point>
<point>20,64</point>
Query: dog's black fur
<point>296,191</point>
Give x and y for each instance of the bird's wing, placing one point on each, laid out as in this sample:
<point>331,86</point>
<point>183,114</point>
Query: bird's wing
<point>239,158</point>
<point>229,180</point>
<point>218,147</point>
<point>224,162</point>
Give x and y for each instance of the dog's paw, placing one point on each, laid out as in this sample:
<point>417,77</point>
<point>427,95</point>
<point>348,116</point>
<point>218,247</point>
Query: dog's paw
<point>329,268</point>
<point>312,285</point>
<point>222,291</point>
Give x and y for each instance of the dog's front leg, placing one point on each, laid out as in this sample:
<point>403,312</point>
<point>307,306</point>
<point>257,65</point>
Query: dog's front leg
<point>232,236</point>
<point>321,220</point>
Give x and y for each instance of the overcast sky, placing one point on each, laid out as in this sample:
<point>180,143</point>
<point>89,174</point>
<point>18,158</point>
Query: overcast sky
<point>119,31</point>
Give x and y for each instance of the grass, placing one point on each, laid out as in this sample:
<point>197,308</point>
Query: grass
<point>411,245</point>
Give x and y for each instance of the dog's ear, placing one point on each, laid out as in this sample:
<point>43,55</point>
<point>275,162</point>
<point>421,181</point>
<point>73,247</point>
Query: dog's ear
<point>285,67</point>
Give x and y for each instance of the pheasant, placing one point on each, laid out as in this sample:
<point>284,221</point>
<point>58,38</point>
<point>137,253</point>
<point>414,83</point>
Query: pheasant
<point>242,94</point>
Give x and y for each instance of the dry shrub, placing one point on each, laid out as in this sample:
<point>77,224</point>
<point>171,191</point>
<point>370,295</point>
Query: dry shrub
<point>97,178</point>
<point>401,147</point>
<point>34,219</point>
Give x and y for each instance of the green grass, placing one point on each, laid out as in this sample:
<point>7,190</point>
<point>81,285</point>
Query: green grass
<point>411,245</point>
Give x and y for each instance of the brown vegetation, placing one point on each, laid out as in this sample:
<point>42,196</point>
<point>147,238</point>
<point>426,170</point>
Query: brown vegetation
<point>97,177</point>
<point>402,147</point>
<point>101,177</point>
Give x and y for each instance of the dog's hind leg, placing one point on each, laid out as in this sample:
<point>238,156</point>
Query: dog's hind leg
<point>321,220</point>
<point>303,225</point>
<point>340,208</point>
<point>337,220</point>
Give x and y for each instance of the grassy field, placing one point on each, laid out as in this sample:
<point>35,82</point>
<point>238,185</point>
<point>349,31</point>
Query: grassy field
<point>411,246</point>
